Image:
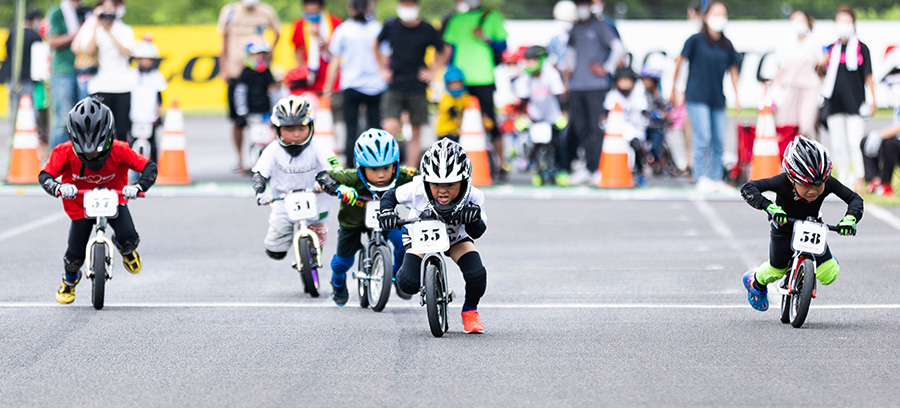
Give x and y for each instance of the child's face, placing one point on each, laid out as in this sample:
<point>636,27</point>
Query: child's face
<point>649,85</point>
<point>92,156</point>
<point>444,193</point>
<point>145,63</point>
<point>625,84</point>
<point>455,86</point>
<point>295,133</point>
<point>379,176</point>
<point>809,193</point>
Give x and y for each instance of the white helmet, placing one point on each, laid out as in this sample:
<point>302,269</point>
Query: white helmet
<point>564,10</point>
<point>144,49</point>
<point>447,162</point>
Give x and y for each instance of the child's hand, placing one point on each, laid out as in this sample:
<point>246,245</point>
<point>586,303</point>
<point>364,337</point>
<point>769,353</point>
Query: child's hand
<point>778,215</point>
<point>67,191</point>
<point>263,199</point>
<point>847,226</point>
<point>347,194</point>
<point>388,220</point>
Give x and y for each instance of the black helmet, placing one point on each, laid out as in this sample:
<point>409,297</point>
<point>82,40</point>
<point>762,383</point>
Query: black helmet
<point>290,111</point>
<point>626,73</point>
<point>91,129</point>
<point>806,162</point>
<point>535,52</point>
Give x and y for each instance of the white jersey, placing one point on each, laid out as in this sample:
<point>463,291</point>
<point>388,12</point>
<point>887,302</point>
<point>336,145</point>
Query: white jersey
<point>542,92</point>
<point>412,195</point>
<point>144,102</point>
<point>286,173</point>
<point>633,107</point>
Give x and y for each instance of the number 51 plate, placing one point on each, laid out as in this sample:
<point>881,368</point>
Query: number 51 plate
<point>809,237</point>
<point>101,203</point>
<point>301,205</point>
<point>429,236</point>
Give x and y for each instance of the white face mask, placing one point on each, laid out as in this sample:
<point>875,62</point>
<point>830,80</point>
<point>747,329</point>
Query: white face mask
<point>473,4</point>
<point>120,12</point>
<point>597,9</point>
<point>844,30</point>
<point>583,13</point>
<point>799,27</point>
<point>249,3</point>
<point>717,23</point>
<point>407,14</point>
<point>462,7</point>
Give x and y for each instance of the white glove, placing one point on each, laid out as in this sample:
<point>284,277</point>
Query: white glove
<point>263,198</point>
<point>873,144</point>
<point>131,192</point>
<point>67,191</point>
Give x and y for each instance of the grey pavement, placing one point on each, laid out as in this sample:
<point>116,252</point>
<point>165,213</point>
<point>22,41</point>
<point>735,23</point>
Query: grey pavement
<point>590,302</point>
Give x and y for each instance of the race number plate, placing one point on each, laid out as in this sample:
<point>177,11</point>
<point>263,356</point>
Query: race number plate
<point>372,214</point>
<point>809,237</point>
<point>541,133</point>
<point>301,205</point>
<point>101,203</point>
<point>141,130</point>
<point>429,236</point>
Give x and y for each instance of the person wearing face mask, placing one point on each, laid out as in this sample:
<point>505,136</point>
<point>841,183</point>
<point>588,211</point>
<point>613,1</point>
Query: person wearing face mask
<point>241,23</point>
<point>111,40</point>
<point>848,69</point>
<point>711,54</point>
<point>796,77</point>
<point>312,32</point>
<point>597,11</point>
<point>407,73</point>
<point>593,54</point>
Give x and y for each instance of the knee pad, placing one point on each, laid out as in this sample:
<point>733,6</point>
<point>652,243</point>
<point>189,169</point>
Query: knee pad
<point>72,266</point>
<point>408,276</point>
<point>341,264</point>
<point>126,248</point>
<point>276,255</point>
<point>827,272</point>
<point>475,276</point>
<point>767,274</point>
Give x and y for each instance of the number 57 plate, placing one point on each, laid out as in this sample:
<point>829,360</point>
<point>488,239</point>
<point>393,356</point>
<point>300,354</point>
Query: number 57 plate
<point>101,203</point>
<point>809,237</point>
<point>429,236</point>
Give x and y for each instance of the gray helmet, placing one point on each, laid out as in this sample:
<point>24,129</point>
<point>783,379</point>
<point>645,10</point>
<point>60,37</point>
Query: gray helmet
<point>290,111</point>
<point>92,129</point>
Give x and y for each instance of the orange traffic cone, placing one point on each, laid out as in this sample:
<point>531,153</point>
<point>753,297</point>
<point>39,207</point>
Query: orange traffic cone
<point>324,122</point>
<point>474,142</point>
<point>614,169</point>
<point>765,162</point>
<point>172,160</point>
<point>24,164</point>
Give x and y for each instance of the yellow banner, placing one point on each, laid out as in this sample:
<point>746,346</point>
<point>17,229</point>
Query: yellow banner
<point>190,64</point>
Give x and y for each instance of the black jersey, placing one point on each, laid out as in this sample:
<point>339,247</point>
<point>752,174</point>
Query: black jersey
<point>793,205</point>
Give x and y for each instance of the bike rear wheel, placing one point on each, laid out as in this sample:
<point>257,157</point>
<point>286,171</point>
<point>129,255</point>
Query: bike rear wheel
<point>435,304</point>
<point>98,268</point>
<point>362,280</point>
<point>308,274</point>
<point>380,278</point>
<point>804,284</point>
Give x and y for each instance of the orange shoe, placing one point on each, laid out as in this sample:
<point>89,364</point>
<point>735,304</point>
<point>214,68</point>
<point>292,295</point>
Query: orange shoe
<point>472,322</point>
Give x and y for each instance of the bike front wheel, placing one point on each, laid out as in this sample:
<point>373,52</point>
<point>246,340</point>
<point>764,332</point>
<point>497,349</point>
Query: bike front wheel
<point>801,297</point>
<point>362,280</point>
<point>98,269</point>
<point>380,278</point>
<point>435,302</point>
<point>308,274</point>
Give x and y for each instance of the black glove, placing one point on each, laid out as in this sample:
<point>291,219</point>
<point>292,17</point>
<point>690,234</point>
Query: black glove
<point>469,214</point>
<point>240,122</point>
<point>388,220</point>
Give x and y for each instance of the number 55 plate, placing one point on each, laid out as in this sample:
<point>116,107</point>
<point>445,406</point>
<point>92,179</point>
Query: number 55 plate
<point>809,237</point>
<point>429,236</point>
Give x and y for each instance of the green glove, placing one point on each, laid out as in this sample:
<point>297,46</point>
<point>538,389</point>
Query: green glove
<point>347,194</point>
<point>561,123</point>
<point>847,226</point>
<point>522,123</point>
<point>777,213</point>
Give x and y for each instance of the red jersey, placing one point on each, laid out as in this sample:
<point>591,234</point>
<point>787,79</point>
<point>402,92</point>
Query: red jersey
<point>114,174</point>
<point>299,40</point>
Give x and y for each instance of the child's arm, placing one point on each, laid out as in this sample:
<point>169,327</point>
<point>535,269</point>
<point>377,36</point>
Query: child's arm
<point>854,202</point>
<point>752,193</point>
<point>334,183</point>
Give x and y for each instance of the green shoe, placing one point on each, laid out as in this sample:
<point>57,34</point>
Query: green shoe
<point>536,180</point>
<point>562,178</point>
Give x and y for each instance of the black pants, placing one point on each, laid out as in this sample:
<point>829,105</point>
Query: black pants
<point>127,238</point>
<point>352,100</point>
<point>780,251</point>
<point>120,105</point>
<point>485,96</point>
<point>585,109</point>
<point>883,165</point>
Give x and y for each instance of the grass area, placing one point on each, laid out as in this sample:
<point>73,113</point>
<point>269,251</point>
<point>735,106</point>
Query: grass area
<point>750,113</point>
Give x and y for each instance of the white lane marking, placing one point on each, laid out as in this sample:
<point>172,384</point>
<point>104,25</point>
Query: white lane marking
<point>263,305</point>
<point>12,232</point>
<point>884,215</point>
<point>718,225</point>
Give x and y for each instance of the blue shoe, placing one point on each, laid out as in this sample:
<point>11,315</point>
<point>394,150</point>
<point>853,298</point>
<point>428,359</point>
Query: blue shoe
<point>759,300</point>
<point>339,294</point>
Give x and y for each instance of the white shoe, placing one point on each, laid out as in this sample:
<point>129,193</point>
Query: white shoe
<point>722,187</point>
<point>580,177</point>
<point>705,185</point>
<point>595,178</point>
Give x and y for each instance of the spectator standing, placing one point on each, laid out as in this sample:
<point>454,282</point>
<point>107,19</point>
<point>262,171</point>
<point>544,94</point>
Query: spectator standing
<point>564,15</point>
<point>241,23</point>
<point>354,56</point>
<point>407,74</point>
<point>593,54</point>
<point>477,35</point>
<point>312,33</point>
<point>711,54</point>
<point>64,23</point>
<point>112,41</point>
<point>848,69</point>
<point>25,85</point>
<point>797,78</point>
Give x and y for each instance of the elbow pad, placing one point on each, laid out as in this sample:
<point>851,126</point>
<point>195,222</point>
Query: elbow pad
<point>259,182</point>
<point>148,176</point>
<point>328,184</point>
<point>48,183</point>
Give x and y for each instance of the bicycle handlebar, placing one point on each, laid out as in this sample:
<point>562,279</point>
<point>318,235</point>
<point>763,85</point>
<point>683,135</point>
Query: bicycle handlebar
<point>118,192</point>
<point>830,227</point>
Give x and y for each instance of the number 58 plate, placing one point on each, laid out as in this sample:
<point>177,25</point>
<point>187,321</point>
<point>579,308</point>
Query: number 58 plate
<point>429,236</point>
<point>809,237</point>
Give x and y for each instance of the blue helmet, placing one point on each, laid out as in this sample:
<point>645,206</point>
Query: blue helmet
<point>454,74</point>
<point>376,148</point>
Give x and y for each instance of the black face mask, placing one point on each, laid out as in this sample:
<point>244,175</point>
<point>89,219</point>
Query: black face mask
<point>145,69</point>
<point>625,92</point>
<point>295,150</point>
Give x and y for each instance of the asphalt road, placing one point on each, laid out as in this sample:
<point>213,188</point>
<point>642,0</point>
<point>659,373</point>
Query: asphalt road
<point>590,302</point>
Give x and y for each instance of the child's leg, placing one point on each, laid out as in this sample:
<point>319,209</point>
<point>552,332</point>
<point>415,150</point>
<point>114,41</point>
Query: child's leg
<point>655,136</point>
<point>408,277</point>
<point>278,239</point>
<point>890,156</point>
<point>396,238</point>
<point>638,155</point>
<point>780,254</point>
<point>827,267</point>
<point>127,238</point>
<point>347,246</point>
<point>79,233</point>
<point>469,261</point>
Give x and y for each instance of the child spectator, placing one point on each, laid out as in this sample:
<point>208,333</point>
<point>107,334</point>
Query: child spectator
<point>633,106</point>
<point>253,87</point>
<point>452,104</point>
<point>657,113</point>
<point>146,96</point>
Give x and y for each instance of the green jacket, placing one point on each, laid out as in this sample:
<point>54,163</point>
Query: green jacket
<point>352,217</point>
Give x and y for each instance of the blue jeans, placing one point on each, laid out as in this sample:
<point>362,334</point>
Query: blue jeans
<point>709,127</point>
<point>63,91</point>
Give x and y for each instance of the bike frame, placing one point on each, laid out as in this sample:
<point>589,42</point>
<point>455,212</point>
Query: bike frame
<point>303,231</point>
<point>103,237</point>
<point>438,259</point>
